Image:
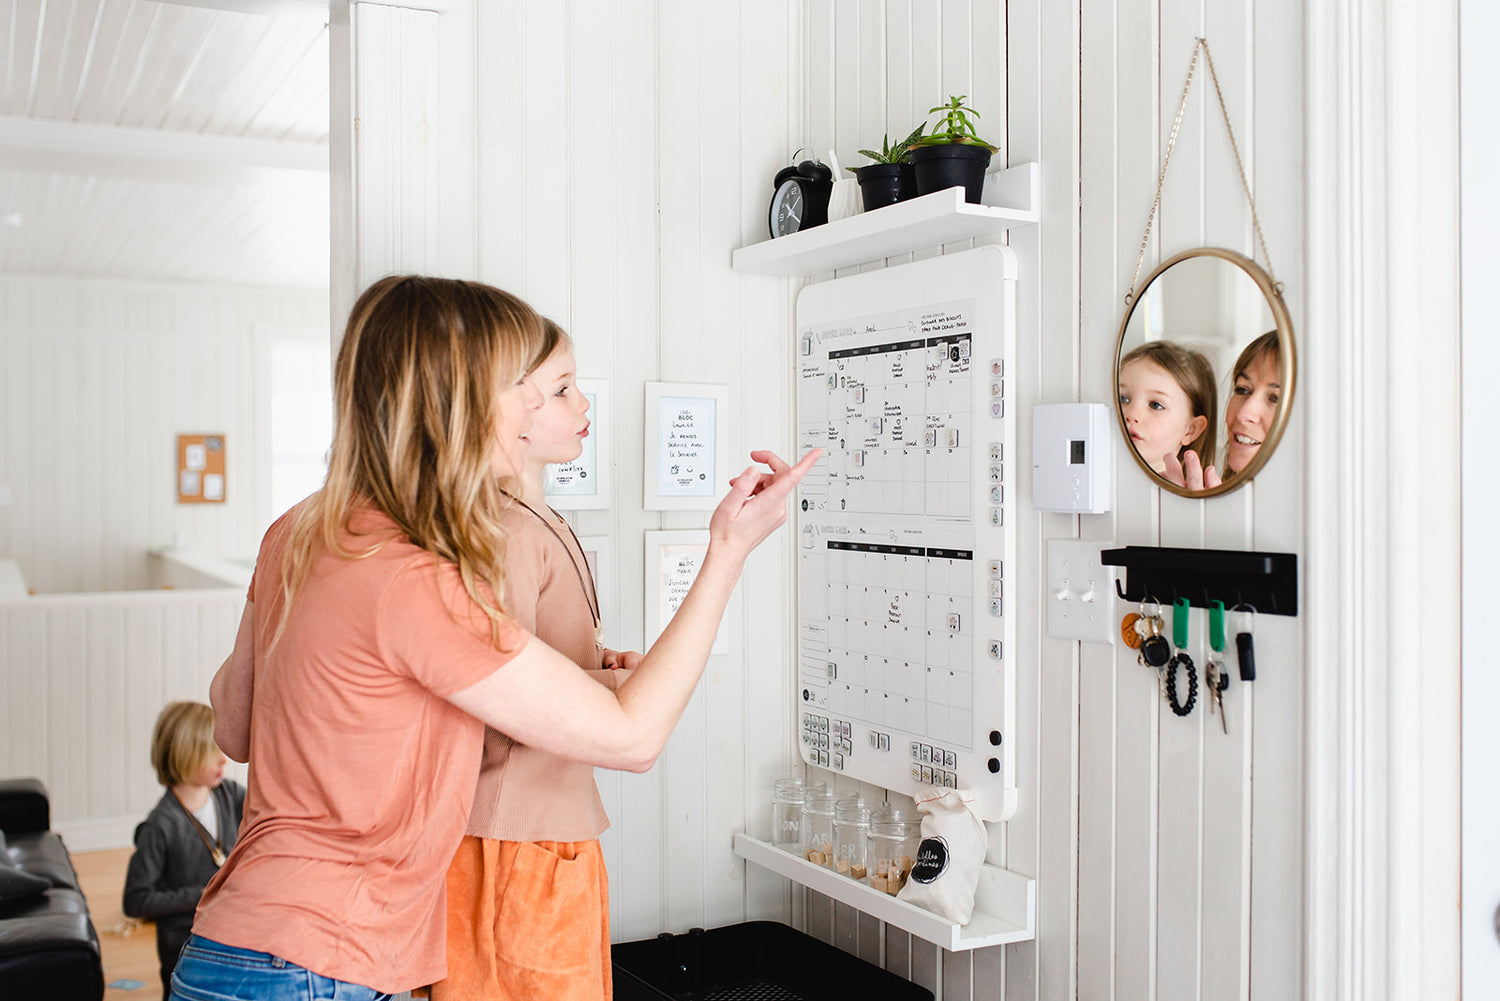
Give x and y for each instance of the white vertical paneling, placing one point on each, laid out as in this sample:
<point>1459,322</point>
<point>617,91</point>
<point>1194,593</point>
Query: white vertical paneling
<point>1099,268</point>
<point>86,676</point>
<point>1145,831</point>
<point>684,73</point>
<point>1279,749</point>
<point>768,118</point>
<point>724,776</point>
<point>102,375</point>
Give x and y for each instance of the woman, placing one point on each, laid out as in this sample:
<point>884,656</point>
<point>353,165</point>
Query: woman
<point>1254,399</point>
<point>375,646</point>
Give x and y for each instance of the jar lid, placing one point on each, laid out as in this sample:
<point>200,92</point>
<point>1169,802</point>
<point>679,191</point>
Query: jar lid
<point>851,810</point>
<point>889,820</point>
<point>795,790</point>
<point>820,801</point>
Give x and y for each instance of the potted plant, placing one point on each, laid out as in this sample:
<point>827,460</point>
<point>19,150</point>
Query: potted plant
<point>952,153</point>
<point>890,178</point>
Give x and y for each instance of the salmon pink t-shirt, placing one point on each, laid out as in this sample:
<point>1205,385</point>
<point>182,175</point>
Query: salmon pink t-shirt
<point>361,773</point>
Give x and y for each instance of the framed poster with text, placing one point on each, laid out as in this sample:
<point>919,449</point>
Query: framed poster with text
<point>687,431</point>
<point>673,560</point>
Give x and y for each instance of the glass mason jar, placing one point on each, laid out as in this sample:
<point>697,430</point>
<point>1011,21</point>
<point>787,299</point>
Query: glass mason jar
<point>786,810</point>
<point>894,837</point>
<point>817,826</point>
<point>851,837</point>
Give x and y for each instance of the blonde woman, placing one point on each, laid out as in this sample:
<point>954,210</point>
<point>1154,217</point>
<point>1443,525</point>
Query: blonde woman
<point>375,646</point>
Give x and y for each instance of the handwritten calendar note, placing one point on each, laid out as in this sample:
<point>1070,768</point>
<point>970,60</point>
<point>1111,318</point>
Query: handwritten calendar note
<point>685,467</point>
<point>679,568</point>
<point>687,439</point>
<point>673,560</point>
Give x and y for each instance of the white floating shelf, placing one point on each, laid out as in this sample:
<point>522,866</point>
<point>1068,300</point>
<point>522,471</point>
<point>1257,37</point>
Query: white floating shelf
<point>1004,903</point>
<point>928,221</point>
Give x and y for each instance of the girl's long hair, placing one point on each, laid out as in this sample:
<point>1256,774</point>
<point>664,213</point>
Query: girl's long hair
<point>415,383</point>
<point>1190,370</point>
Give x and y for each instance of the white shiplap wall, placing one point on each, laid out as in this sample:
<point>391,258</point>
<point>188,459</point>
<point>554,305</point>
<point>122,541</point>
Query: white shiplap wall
<point>82,679</point>
<point>97,378</point>
<point>626,149</point>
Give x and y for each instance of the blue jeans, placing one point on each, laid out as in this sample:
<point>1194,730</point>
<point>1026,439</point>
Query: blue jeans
<point>208,971</point>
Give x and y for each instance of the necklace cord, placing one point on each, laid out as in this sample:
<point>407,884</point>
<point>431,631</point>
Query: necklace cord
<point>586,582</point>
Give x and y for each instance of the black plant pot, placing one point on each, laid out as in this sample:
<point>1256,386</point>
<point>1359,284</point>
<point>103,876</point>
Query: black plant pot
<point>882,184</point>
<point>951,164</point>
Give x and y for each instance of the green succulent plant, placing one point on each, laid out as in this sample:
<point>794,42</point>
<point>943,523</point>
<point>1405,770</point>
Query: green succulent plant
<point>898,153</point>
<point>956,126</point>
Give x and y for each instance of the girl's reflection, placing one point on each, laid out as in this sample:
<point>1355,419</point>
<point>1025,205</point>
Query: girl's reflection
<point>1168,400</point>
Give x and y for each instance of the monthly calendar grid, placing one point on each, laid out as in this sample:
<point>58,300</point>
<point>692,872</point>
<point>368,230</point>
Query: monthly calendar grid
<point>899,639</point>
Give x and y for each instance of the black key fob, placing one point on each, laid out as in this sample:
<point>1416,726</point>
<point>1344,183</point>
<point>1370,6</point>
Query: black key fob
<point>1246,646</point>
<point>1156,651</point>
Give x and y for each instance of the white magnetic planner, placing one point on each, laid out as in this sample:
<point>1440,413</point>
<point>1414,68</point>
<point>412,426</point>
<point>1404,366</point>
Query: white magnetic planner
<point>905,526</point>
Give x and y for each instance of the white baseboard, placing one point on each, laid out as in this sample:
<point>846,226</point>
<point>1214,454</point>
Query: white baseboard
<point>97,834</point>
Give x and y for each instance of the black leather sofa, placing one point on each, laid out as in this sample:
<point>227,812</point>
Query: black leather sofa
<point>48,946</point>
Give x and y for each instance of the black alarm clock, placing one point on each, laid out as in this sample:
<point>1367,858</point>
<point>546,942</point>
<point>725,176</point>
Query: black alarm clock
<point>800,200</point>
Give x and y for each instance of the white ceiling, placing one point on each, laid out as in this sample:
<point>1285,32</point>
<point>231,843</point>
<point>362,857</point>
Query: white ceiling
<point>171,141</point>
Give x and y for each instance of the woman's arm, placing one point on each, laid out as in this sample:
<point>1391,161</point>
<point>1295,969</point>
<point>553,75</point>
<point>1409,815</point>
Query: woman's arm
<point>541,699</point>
<point>231,690</point>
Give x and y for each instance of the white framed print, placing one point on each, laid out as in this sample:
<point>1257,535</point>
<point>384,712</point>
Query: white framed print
<point>599,553</point>
<point>687,434</point>
<point>584,483</point>
<point>673,560</point>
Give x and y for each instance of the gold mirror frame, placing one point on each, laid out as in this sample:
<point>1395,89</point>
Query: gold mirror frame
<point>1287,364</point>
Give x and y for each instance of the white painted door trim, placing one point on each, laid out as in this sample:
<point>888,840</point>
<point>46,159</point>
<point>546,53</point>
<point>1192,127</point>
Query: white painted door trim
<point>1480,21</point>
<point>1383,552</point>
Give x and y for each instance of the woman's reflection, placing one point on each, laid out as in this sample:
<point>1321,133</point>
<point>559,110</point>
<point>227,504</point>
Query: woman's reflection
<point>1168,400</point>
<point>1248,416</point>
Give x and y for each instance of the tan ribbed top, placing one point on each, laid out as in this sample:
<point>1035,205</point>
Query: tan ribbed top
<point>525,794</point>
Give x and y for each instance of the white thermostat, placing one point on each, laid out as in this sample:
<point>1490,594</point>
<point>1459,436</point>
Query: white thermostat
<point>1071,458</point>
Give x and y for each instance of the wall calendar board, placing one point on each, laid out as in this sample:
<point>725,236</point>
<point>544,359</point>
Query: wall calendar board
<point>906,527</point>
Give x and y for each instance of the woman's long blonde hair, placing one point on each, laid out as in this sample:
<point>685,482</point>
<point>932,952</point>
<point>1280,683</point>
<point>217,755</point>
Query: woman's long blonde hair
<point>415,383</point>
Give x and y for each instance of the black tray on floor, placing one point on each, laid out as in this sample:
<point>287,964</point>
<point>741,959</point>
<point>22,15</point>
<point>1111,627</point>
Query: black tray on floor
<point>751,961</point>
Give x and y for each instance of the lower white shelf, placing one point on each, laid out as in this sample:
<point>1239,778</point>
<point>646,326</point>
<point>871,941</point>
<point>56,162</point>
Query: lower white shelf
<point>1004,903</point>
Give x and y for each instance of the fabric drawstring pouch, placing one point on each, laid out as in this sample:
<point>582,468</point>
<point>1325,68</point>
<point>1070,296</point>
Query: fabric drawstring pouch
<point>946,870</point>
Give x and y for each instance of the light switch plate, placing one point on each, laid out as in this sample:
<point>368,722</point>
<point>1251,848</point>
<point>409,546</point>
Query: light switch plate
<point>1080,592</point>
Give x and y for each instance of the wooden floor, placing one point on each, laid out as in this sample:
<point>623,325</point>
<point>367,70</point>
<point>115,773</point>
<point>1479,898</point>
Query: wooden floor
<point>128,954</point>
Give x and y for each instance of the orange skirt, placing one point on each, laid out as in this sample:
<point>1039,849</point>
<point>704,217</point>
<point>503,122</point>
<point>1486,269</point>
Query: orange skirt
<point>527,921</point>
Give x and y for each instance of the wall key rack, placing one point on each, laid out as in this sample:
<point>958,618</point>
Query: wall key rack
<point>1264,582</point>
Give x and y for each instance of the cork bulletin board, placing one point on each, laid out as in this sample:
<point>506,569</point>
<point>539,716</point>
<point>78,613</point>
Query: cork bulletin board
<point>200,469</point>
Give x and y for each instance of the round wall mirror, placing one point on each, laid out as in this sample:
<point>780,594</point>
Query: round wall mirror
<point>1205,366</point>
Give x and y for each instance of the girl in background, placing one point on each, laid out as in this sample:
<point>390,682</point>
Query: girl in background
<point>185,838</point>
<point>528,899</point>
<point>1169,402</point>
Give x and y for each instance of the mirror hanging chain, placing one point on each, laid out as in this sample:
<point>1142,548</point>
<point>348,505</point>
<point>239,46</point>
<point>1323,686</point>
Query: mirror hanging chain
<point>1202,44</point>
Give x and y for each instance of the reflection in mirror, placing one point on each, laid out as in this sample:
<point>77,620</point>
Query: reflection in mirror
<point>1203,367</point>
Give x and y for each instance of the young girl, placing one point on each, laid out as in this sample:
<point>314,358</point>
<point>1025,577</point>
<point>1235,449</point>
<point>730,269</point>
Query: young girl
<point>510,937</point>
<point>184,840</point>
<point>1168,402</point>
<point>376,644</point>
